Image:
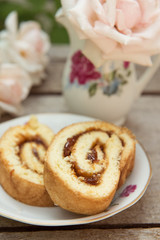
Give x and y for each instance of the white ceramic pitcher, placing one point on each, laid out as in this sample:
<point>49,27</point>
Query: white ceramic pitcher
<point>107,93</point>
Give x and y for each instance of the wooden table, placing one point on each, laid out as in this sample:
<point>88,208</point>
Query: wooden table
<point>142,220</point>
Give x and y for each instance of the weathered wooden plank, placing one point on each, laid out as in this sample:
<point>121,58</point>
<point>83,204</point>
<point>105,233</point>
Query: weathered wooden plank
<point>52,82</point>
<point>39,104</point>
<point>154,85</point>
<point>59,51</point>
<point>54,71</point>
<point>43,104</point>
<point>143,120</point>
<point>93,234</point>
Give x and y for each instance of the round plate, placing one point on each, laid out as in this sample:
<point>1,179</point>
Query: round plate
<point>126,196</point>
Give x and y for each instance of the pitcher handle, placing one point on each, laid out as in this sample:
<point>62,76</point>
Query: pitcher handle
<point>147,75</point>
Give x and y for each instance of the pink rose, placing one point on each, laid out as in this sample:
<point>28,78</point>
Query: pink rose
<point>26,45</point>
<point>128,30</point>
<point>14,84</point>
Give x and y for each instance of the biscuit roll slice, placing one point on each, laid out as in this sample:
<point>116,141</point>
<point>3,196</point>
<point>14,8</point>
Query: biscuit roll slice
<point>82,167</point>
<point>22,154</point>
<point>128,153</point>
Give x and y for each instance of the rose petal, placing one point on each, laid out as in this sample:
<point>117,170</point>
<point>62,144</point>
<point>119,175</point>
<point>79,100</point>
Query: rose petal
<point>99,59</point>
<point>102,30</point>
<point>139,58</point>
<point>10,90</point>
<point>15,83</point>
<point>83,16</point>
<point>149,9</point>
<point>14,109</point>
<point>149,32</point>
<point>129,14</point>
<point>110,11</point>
<point>67,5</point>
<point>31,32</point>
<point>120,20</point>
<point>98,8</point>
<point>11,23</point>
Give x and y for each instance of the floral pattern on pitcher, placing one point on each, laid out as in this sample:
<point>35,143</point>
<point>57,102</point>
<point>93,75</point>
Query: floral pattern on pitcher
<point>84,72</point>
<point>125,193</point>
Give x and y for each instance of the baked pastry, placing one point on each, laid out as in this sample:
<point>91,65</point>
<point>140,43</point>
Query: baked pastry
<point>22,153</point>
<point>85,164</point>
<point>128,153</point>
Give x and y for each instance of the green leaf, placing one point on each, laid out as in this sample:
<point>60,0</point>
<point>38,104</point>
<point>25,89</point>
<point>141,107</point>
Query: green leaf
<point>129,73</point>
<point>57,3</point>
<point>124,82</point>
<point>120,76</point>
<point>111,75</point>
<point>38,4</point>
<point>92,89</point>
<point>59,34</point>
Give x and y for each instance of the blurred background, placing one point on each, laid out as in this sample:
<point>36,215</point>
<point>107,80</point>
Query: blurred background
<point>42,11</point>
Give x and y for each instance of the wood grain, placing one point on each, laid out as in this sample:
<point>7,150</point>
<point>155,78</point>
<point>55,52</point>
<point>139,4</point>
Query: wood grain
<point>83,234</point>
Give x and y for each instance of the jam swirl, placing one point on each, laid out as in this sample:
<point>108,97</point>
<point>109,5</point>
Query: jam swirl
<point>91,156</point>
<point>31,154</point>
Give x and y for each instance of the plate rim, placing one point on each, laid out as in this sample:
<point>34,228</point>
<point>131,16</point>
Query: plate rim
<point>85,219</point>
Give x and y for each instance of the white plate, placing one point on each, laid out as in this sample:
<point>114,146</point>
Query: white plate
<point>134,187</point>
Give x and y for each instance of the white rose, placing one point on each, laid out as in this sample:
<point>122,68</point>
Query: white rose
<point>26,46</point>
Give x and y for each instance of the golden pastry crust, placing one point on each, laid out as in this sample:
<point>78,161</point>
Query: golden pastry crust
<point>128,154</point>
<point>85,164</point>
<point>22,153</point>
